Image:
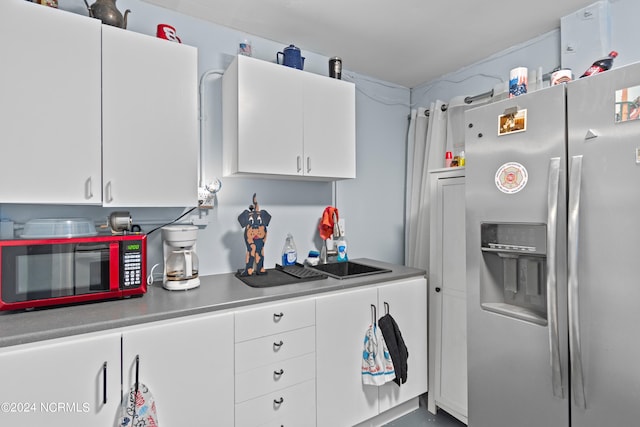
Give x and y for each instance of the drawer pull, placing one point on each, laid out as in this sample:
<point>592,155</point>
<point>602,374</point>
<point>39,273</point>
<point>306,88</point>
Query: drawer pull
<point>277,316</point>
<point>277,345</point>
<point>278,401</point>
<point>278,374</point>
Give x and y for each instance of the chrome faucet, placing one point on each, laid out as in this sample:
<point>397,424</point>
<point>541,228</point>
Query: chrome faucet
<point>326,253</point>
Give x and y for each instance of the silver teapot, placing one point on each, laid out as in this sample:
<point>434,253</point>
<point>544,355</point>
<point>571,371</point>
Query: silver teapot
<point>108,13</point>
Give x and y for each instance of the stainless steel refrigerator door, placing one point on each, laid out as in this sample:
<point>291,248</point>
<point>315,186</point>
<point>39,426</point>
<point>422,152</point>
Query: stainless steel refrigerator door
<point>510,349</point>
<point>606,280</point>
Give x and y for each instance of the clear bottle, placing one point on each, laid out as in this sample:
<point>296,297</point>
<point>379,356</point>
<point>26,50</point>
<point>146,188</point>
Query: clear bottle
<point>289,252</point>
<point>342,249</point>
<point>601,65</point>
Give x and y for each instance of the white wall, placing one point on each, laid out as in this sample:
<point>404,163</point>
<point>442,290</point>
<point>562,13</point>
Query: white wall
<point>543,51</point>
<point>624,37</point>
<point>493,72</point>
<point>373,204</point>
<point>295,206</point>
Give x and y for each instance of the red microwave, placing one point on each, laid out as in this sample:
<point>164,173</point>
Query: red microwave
<point>53,271</point>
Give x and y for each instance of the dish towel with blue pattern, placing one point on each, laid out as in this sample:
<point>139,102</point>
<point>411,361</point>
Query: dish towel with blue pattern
<point>138,408</point>
<point>377,366</point>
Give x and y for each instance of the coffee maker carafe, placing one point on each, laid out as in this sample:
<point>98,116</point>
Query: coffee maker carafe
<point>180,260</point>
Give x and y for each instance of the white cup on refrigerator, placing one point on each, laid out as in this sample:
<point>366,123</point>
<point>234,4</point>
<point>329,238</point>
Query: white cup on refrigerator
<point>518,81</point>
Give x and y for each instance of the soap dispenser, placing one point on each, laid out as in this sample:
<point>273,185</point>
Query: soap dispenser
<point>341,246</point>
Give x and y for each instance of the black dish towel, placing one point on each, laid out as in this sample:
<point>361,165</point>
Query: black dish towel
<point>396,346</point>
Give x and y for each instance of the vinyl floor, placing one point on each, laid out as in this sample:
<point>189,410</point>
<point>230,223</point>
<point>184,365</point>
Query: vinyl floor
<point>423,418</point>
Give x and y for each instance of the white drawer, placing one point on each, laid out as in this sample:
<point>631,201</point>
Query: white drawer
<point>276,376</point>
<point>297,408</point>
<point>274,348</point>
<point>294,420</point>
<point>274,318</point>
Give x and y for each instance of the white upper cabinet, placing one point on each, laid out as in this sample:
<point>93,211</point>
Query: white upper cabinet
<point>283,122</point>
<point>262,118</point>
<point>49,105</point>
<point>329,127</point>
<point>93,114</point>
<point>150,120</point>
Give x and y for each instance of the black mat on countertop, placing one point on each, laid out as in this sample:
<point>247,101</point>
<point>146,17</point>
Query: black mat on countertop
<point>278,276</point>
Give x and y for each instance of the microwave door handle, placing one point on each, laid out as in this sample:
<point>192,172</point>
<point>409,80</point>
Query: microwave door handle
<point>575,346</point>
<point>552,288</point>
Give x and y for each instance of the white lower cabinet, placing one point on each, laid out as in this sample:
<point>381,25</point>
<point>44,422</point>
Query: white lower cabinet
<point>291,363</point>
<point>187,366</point>
<point>407,304</point>
<point>63,382</point>
<point>275,361</point>
<point>341,322</point>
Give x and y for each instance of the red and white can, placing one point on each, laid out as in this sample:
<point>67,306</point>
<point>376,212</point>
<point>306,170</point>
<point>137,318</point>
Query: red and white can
<point>167,32</point>
<point>561,76</point>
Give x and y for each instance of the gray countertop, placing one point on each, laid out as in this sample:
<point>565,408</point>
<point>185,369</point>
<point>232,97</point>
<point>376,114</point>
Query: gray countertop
<point>216,292</point>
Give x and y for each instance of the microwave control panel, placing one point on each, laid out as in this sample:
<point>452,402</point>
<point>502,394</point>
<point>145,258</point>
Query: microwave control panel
<point>130,264</point>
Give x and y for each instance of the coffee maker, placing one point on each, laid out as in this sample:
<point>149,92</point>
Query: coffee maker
<point>180,259</point>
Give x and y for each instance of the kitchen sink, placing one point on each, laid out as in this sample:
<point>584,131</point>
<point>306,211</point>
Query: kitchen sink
<point>348,269</point>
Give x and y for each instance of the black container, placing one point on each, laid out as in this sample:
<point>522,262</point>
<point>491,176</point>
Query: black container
<point>335,67</point>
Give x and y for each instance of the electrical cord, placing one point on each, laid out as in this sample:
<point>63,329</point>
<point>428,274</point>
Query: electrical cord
<point>171,222</point>
<point>150,276</point>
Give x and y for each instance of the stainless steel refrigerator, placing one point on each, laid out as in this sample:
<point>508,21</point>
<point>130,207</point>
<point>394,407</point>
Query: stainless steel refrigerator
<point>553,256</point>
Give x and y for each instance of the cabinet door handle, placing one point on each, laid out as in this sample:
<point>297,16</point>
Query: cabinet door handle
<point>88,188</point>
<point>279,373</point>
<point>299,163</point>
<point>277,345</point>
<point>104,383</point>
<point>438,289</point>
<point>277,316</point>
<point>278,401</point>
<point>137,372</point>
<point>108,195</point>
<point>308,164</point>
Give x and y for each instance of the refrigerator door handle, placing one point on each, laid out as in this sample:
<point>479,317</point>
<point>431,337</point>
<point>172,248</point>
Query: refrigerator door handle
<point>575,348</point>
<point>552,291</point>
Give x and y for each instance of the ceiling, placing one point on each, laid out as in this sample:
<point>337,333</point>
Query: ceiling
<point>407,42</point>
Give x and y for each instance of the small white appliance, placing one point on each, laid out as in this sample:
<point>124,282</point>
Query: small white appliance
<point>180,259</point>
